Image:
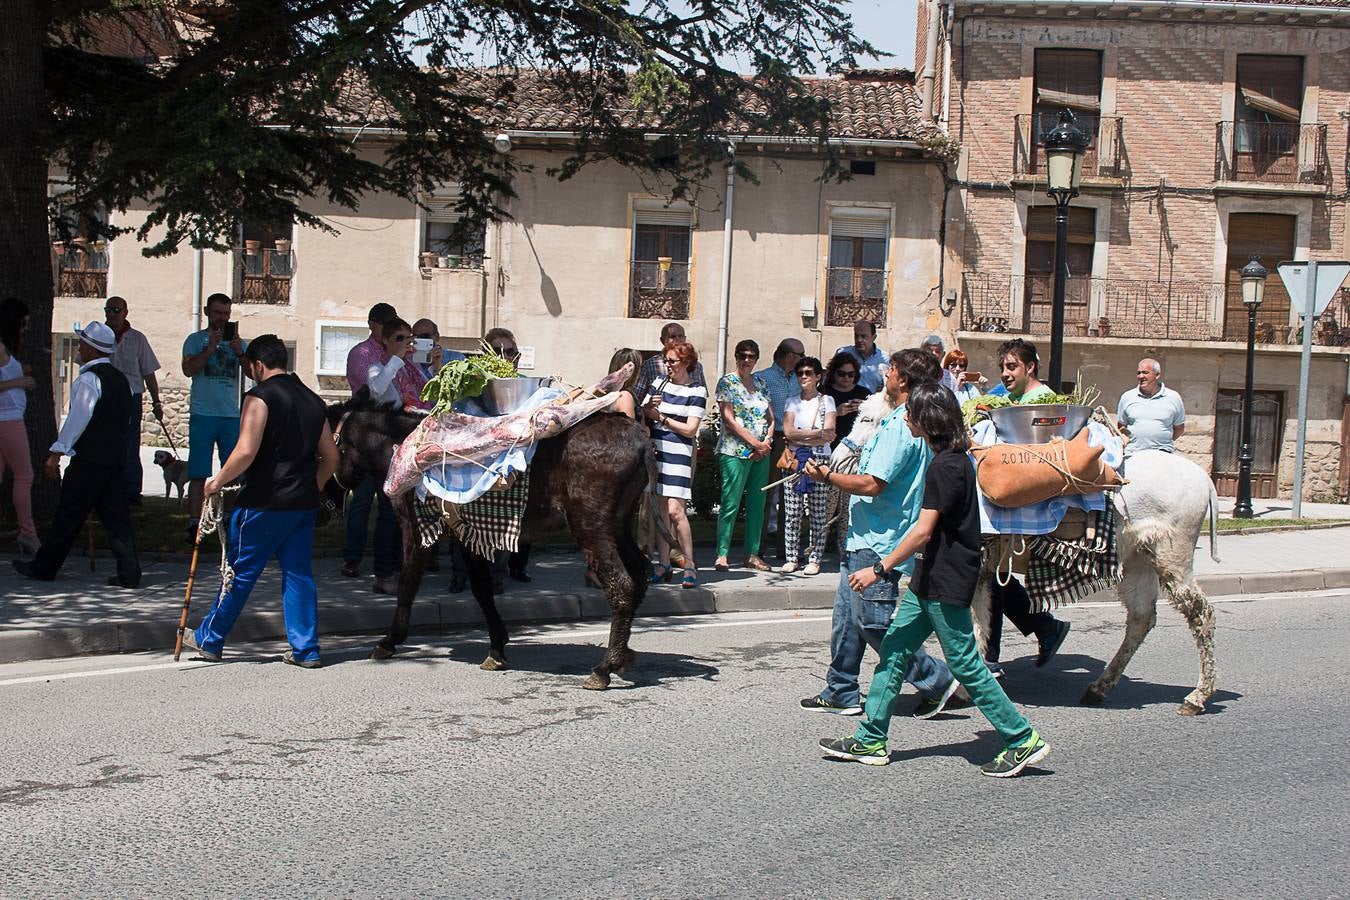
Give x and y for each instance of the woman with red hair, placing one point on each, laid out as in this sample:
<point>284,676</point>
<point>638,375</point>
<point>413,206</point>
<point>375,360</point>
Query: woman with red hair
<point>967,382</point>
<point>674,411</point>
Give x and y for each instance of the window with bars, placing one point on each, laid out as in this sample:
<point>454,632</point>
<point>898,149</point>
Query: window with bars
<point>79,250</point>
<point>451,238</point>
<point>266,263</point>
<point>1268,108</point>
<point>662,255</point>
<point>856,277</point>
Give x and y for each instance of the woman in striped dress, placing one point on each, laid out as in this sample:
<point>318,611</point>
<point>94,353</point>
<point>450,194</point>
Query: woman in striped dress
<point>674,411</point>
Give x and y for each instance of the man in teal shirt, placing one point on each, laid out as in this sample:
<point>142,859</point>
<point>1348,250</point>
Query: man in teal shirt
<point>887,495</point>
<point>211,359</point>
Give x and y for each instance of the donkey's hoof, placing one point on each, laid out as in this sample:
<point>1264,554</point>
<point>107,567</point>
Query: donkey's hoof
<point>596,682</point>
<point>493,664</point>
<point>1189,709</point>
<point>1091,697</point>
<point>380,651</point>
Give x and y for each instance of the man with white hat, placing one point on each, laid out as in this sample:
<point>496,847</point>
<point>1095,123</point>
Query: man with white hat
<point>95,437</point>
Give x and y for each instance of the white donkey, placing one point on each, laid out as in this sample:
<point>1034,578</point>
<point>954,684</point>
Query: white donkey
<point>1164,507</point>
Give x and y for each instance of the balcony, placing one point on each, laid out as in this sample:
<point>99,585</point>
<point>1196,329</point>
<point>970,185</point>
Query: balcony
<point>1271,153</point>
<point>1134,310</point>
<point>1105,157</point>
<point>265,275</point>
<point>658,289</point>
<point>81,268</point>
<point>853,295</point>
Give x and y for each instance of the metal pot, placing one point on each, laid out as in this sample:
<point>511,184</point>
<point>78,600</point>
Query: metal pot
<point>1037,423</point>
<point>503,396</point>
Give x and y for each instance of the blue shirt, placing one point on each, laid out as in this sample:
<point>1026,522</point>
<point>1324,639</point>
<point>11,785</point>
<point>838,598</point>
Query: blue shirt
<point>901,460</point>
<point>782,386</point>
<point>215,389</point>
<point>1150,419</point>
<point>871,371</point>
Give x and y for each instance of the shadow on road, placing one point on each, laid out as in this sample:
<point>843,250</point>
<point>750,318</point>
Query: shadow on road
<point>1063,681</point>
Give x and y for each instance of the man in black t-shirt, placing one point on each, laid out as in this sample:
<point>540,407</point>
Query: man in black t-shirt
<point>285,454</point>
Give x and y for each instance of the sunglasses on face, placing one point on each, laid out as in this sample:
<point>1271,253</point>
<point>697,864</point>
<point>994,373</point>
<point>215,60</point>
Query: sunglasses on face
<point>508,352</point>
<point>843,373</point>
<point>673,361</point>
<point>805,372</point>
<point>400,338</point>
<point>958,366</point>
<point>114,309</point>
<point>425,337</point>
<point>750,356</point>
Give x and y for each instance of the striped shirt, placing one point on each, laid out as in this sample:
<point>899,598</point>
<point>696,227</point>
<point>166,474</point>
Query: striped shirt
<point>675,452</point>
<point>783,386</point>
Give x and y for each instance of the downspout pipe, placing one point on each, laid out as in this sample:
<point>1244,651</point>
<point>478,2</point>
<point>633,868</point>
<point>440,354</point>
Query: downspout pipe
<point>928,76</point>
<point>197,266</point>
<point>724,312</point>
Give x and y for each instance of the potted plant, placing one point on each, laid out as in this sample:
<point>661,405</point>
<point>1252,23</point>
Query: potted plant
<point>59,247</point>
<point>252,247</point>
<point>428,260</point>
<point>100,245</point>
<point>452,262</point>
<point>443,262</point>
<point>1104,326</point>
<point>283,245</point>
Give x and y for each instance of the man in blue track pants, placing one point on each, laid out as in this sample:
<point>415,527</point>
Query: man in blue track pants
<point>285,454</point>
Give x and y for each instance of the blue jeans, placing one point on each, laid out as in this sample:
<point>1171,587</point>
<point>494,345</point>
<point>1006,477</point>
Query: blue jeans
<point>388,552</point>
<point>862,620</point>
<point>256,535</point>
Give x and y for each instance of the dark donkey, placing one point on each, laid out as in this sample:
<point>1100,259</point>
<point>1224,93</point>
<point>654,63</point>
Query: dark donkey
<point>589,479</point>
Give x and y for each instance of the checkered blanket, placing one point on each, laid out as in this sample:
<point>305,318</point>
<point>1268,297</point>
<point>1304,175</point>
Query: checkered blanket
<point>490,523</point>
<point>1044,517</point>
<point>1061,572</point>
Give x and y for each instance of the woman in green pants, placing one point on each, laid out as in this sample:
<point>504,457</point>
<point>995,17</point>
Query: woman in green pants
<point>948,534</point>
<point>743,454</point>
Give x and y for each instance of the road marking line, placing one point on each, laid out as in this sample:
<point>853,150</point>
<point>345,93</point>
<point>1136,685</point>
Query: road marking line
<point>65,676</point>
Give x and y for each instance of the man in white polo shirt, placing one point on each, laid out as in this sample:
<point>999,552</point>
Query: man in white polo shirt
<point>1151,414</point>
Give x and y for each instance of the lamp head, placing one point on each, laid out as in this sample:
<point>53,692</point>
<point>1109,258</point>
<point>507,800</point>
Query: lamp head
<point>1064,146</point>
<point>502,143</point>
<point>1253,283</point>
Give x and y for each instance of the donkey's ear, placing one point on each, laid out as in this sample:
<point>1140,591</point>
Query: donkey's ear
<point>362,397</point>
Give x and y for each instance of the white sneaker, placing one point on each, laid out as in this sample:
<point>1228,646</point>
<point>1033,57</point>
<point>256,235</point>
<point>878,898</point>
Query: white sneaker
<point>788,568</point>
<point>811,569</point>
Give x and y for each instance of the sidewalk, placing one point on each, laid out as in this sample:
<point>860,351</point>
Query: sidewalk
<point>78,613</point>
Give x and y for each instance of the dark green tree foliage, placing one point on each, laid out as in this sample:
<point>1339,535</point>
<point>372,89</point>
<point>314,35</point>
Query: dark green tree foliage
<point>211,112</point>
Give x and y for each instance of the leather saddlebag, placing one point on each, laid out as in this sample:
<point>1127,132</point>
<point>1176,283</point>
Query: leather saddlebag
<point>1013,475</point>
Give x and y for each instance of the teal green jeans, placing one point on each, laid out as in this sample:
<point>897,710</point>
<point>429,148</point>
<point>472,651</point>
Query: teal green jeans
<point>914,621</point>
<point>741,478</point>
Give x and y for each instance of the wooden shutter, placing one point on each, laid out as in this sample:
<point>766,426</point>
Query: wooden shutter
<point>1071,78</point>
<point>1270,87</point>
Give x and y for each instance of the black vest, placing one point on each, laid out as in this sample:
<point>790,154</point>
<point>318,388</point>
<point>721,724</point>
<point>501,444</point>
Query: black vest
<point>281,476</point>
<point>104,441</point>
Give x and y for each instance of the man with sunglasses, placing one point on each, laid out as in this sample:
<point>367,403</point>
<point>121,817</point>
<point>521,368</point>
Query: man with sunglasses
<point>134,359</point>
<point>427,330</point>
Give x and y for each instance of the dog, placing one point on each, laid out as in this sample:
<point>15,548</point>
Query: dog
<point>175,472</point>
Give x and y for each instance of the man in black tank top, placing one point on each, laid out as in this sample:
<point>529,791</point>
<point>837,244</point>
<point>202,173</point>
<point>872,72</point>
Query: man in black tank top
<point>284,454</point>
<point>95,481</point>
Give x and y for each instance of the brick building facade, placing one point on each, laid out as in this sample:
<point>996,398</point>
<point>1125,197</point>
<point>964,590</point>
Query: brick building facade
<point>1218,132</point>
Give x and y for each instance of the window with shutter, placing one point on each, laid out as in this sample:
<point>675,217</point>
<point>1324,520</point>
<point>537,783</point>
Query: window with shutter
<point>457,239</point>
<point>1268,107</point>
<point>266,263</point>
<point>856,279</point>
<point>661,254</point>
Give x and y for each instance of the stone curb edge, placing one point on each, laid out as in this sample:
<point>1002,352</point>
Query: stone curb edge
<point>21,645</point>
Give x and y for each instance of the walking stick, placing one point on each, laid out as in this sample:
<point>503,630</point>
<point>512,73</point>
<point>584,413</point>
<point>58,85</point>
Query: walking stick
<point>187,594</point>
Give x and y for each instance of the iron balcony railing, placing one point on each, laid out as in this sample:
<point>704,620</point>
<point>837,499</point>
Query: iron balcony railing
<point>854,294</point>
<point>1133,309</point>
<point>658,289</point>
<point>81,269</point>
<point>1105,157</point>
<point>265,276</point>
<point>1271,152</point>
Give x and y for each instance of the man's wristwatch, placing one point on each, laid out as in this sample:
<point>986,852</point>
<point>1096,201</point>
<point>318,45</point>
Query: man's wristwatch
<point>880,571</point>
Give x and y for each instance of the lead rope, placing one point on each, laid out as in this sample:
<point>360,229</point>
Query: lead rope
<point>213,519</point>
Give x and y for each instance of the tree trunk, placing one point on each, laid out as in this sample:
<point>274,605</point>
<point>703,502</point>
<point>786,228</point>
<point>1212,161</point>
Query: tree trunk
<point>25,249</point>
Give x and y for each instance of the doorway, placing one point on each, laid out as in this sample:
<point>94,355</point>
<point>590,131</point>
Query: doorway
<point>1267,436</point>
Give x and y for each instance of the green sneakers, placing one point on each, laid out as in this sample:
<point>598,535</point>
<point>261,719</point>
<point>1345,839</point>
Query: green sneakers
<point>850,749</point>
<point>1012,760</point>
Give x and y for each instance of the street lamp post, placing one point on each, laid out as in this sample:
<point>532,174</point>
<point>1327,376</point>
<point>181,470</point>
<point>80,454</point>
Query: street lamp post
<point>1064,149</point>
<point>1253,290</point>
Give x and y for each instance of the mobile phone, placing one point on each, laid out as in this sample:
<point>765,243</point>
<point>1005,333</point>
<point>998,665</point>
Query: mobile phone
<point>231,332</point>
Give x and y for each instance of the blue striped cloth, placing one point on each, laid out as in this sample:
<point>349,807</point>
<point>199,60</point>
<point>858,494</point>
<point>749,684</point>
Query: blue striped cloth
<point>461,482</point>
<point>1044,517</point>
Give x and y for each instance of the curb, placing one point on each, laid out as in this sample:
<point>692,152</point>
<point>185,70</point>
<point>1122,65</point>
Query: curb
<point>451,613</point>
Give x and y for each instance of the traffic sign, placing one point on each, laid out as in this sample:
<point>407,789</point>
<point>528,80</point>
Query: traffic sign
<point>1329,278</point>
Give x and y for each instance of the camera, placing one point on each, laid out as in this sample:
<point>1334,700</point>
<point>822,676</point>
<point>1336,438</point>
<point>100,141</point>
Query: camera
<point>231,332</point>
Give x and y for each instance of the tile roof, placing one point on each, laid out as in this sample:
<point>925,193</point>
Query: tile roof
<point>879,104</point>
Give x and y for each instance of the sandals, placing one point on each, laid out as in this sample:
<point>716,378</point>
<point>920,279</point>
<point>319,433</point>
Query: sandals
<point>759,565</point>
<point>660,575</point>
<point>690,580</point>
<point>721,564</point>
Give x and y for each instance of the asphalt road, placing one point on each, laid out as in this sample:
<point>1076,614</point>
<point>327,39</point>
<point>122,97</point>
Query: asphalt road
<point>132,776</point>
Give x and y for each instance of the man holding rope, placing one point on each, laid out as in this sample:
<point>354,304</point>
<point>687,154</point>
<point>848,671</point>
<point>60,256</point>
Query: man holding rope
<point>887,494</point>
<point>285,454</point>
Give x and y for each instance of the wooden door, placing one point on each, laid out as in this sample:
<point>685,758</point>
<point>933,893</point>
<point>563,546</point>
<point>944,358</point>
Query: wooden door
<point>1267,437</point>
